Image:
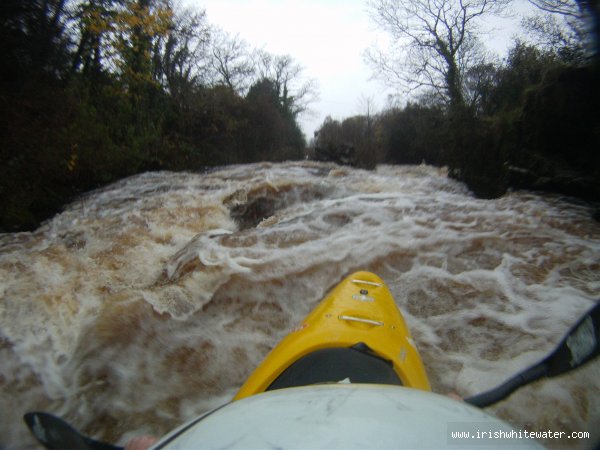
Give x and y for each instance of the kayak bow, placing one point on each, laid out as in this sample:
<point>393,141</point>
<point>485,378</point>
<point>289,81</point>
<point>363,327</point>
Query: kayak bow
<point>356,334</point>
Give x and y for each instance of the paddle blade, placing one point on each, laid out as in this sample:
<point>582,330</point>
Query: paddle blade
<point>54,433</point>
<point>580,345</point>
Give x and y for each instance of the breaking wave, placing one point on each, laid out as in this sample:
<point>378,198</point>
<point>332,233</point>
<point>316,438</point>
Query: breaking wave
<point>151,300</point>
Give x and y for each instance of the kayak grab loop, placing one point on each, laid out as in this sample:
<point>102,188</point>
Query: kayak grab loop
<point>377,323</point>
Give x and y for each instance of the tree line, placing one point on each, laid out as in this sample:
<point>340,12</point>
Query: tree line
<point>95,90</point>
<point>528,121</point>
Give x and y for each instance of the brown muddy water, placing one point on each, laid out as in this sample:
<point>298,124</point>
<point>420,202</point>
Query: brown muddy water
<point>150,301</point>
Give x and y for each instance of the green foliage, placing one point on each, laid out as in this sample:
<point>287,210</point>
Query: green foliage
<point>33,41</point>
<point>414,134</point>
<point>350,142</point>
<point>524,68</point>
<point>27,187</point>
<point>531,123</point>
<point>271,126</point>
<point>117,88</point>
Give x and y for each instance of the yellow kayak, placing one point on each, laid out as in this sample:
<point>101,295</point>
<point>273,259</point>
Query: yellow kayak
<point>356,334</point>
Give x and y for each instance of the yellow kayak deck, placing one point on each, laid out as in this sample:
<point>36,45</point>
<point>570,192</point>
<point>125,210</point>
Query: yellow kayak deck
<point>359,315</point>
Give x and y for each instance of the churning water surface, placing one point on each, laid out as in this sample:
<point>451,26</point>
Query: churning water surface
<point>150,301</point>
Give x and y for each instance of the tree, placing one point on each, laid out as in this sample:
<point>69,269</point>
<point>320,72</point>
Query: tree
<point>180,57</point>
<point>95,90</point>
<point>137,28</point>
<point>33,39</point>
<point>576,13</point>
<point>433,43</point>
<point>93,23</point>
<point>592,7</point>
<point>480,83</point>
<point>120,37</point>
<point>330,144</point>
<point>351,142</point>
<point>565,38</point>
<point>272,133</point>
<point>367,106</point>
<point>230,62</point>
<point>294,91</point>
<point>413,134</point>
<point>563,7</point>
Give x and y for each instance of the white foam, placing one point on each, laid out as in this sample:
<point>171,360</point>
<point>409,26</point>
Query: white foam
<point>145,303</point>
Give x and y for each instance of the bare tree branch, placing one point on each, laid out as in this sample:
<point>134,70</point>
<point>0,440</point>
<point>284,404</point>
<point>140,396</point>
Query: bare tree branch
<point>563,7</point>
<point>581,15</point>
<point>295,92</point>
<point>432,43</point>
<point>231,62</point>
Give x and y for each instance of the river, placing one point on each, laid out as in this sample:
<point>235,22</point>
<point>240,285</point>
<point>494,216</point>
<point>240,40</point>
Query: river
<point>149,301</point>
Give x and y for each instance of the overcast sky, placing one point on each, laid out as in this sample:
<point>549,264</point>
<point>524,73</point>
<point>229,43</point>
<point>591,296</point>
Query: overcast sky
<point>328,38</point>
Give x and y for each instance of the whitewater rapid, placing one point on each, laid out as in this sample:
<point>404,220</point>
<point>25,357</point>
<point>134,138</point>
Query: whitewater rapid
<point>150,301</point>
